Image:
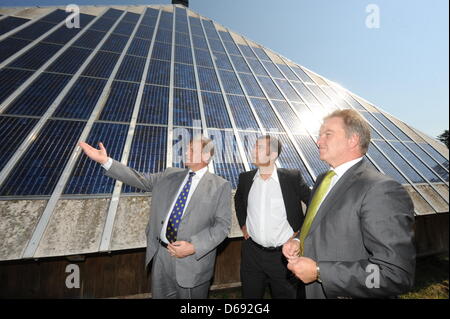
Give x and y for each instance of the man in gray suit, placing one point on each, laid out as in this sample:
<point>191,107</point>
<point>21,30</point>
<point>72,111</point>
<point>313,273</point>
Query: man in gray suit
<point>357,237</point>
<point>190,216</point>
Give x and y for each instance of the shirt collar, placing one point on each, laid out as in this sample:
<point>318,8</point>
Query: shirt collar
<point>274,175</point>
<point>199,174</point>
<point>341,169</point>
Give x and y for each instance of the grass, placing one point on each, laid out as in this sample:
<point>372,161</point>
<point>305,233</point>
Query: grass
<point>431,281</point>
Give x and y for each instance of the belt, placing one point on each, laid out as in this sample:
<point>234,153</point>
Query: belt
<point>163,243</point>
<point>279,248</point>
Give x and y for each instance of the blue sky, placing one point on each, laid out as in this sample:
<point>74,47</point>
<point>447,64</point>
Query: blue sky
<point>402,67</point>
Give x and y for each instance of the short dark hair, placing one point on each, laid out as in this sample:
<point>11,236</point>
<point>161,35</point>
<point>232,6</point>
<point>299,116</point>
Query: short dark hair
<point>274,143</point>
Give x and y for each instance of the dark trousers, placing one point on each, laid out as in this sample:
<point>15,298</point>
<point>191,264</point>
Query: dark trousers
<point>260,267</point>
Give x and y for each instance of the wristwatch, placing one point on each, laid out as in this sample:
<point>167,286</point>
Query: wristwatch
<point>318,274</point>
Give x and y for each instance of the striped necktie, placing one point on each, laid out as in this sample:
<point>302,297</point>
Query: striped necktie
<point>314,207</point>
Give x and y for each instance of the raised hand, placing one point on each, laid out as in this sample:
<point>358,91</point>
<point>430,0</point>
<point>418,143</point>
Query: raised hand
<point>98,155</point>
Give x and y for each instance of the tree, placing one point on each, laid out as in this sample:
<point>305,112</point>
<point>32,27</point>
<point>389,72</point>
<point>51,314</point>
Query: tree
<point>444,137</point>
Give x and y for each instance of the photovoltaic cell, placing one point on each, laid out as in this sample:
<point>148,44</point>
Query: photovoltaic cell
<point>251,86</point>
<point>311,152</point>
<point>227,161</point>
<point>208,79</point>
<point>34,31</point>
<point>321,96</point>
<point>148,152</point>
<point>184,76</point>
<point>124,28</point>
<point>158,72</point>
<point>113,13</point>
<point>199,43</point>
<point>154,105</point>
<point>131,68</point>
<point>36,56</point>
<point>231,48</point>
<point>242,114</point>
<point>203,58</point>
<point>273,70</point>
<point>55,16</point>
<point>371,119</point>
<point>88,177</point>
<point>225,36</point>
<point>289,116</point>
<point>288,73</point>
<point>230,82</point>
<point>261,54</point>
<point>432,163</point>
<point>89,39</point>
<point>139,47</point>
<point>10,80</point>
<point>70,61</point>
<point>131,17</point>
<point>149,21</point>
<point>81,99</point>
<point>162,51</point>
<point>182,39</point>
<point>257,67</point>
<point>164,36</point>
<point>144,31</point>
<point>436,155</point>
<point>385,165</point>
<point>302,75</point>
<point>103,24</point>
<point>186,108</point>
<point>120,103</point>
<point>216,45</point>
<point>39,169</point>
<point>166,20</point>
<point>267,116</point>
<point>181,27</point>
<point>10,23</point>
<point>287,89</point>
<point>215,110</point>
<point>247,51</point>
<point>37,97</point>
<point>13,131</point>
<point>222,61</point>
<point>115,43</point>
<point>62,35</point>
<point>183,54</point>
<point>422,168</point>
<point>290,159</point>
<point>399,162</point>
<point>9,46</point>
<point>394,129</point>
<point>270,88</point>
<point>240,64</point>
<point>102,64</point>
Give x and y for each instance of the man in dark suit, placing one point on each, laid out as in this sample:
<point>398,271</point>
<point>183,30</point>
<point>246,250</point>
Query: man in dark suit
<point>190,216</point>
<point>269,211</point>
<point>357,237</point>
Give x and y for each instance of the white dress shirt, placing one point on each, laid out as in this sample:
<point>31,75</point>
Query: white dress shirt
<point>195,180</point>
<point>267,222</point>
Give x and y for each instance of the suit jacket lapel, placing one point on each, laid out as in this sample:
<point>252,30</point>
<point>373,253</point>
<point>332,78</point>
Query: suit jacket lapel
<point>336,193</point>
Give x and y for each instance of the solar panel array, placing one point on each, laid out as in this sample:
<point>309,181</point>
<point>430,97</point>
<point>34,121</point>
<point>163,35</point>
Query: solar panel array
<point>144,78</point>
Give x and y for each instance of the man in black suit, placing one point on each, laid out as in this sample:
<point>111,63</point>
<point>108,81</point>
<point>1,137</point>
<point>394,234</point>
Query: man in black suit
<point>269,211</point>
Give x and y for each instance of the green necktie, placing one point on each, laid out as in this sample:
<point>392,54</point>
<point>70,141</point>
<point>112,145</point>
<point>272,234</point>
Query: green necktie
<point>314,206</point>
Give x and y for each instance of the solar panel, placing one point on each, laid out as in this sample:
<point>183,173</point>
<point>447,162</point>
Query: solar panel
<point>90,39</point>
<point>270,88</point>
<point>305,94</point>
<point>113,13</point>
<point>432,163</point>
<point>158,72</point>
<point>131,68</point>
<point>164,36</point>
<point>70,61</point>
<point>36,98</point>
<point>230,82</point>
<point>148,152</point>
<point>182,39</point>
<point>185,107</point>
<point>287,89</point>
<point>181,27</point>
<point>302,75</point>
<point>261,54</point>
<point>199,42</point>
<point>39,169</point>
<point>222,61</point>
<point>35,57</point>
<point>166,20</point>
<point>149,21</point>
<point>251,86</point>
<point>10,80</point>
<point>144,31</point>
<point>202,58</point>
<point>162,51</point>
<point>240,64</point>
<point>288,73</point>
<point>10,45</point>
<point>371,119</point>
<point>102,64</point>
<point>231,48</point>
<point>103,24</point>
<point>216,45</point>
<point>257,67</point>
<point>131,17</point>
<point>225,36</point>
<point>267,116</point>
<point>289,116</point>
<point>124,28</point>
<point>154,105</point>
<point>183,54</point>
<point>55,16</point>
<point>311,151</point>
<point>247,51</point>
<point>10,23</point>
<point>321,96</point>
<point>139,47</point>
<point>62,35</point>
<point>215,110</point>
<point>385,165</point>
<point>436,155</point>
<point>115,43</point>
<point>208,79</point>
<point>184,76</point>
<point>13,131</point>
<point>88,177</point>
<point>81,99</point>
<point>120,103</point>
<point>242,113</point>
<point>272,69</point>
<point>394,129</point>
